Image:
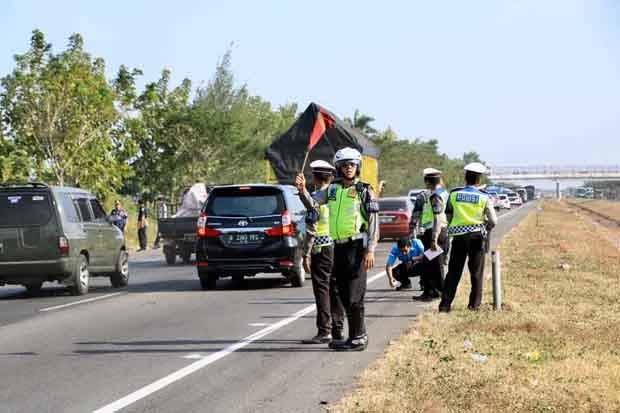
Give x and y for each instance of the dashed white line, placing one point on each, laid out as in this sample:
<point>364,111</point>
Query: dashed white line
<point>212,358</point>
<point>258,324</point>
<point>88,300</point>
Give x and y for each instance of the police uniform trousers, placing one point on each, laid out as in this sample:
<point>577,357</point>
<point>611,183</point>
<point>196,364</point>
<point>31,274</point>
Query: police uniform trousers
<point>351,277</point>
<point>403,271</point>
<point>432,278</point>
<point>329,309</point>
<point>471,247</point>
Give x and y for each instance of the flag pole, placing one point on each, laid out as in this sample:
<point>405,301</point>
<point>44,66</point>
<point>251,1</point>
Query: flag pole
<point>303,165</point>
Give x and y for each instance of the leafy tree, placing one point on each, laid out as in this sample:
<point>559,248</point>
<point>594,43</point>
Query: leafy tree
<point>362,122</point>
<point>60,109</point>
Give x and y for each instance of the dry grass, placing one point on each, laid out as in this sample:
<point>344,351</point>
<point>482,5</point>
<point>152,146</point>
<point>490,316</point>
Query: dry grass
<point>609,208</point>
<point>556,347</point>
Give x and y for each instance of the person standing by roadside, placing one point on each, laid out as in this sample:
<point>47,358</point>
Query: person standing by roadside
<point>354,227</point>
<point>142,225</point>
<point>162,212</point>
<point>470,217</point>
<point>119,216</point>
<point>410,253</point>
<point>318,260</point>
<point>435,225</point>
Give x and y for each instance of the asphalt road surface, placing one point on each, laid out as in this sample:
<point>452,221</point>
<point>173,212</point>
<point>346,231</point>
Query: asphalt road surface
<point>164,345</point>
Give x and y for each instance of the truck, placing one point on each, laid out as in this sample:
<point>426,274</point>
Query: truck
<point>179,231</point>
<point>531,192</point>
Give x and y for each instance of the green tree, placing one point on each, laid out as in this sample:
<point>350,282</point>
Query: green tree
<point>61,109</point>
<point>362,122</point>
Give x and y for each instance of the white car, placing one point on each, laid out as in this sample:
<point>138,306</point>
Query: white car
<point>503,202</point>
<point>515,199</point>
<point>493,200</point>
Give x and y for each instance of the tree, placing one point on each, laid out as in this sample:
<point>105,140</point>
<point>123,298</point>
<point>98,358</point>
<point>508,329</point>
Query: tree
<point>362,122</point>
<point>469,157</point>
<point>61,110</point>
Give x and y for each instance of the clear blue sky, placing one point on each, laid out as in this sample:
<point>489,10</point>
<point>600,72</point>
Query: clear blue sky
<point>531,81</point>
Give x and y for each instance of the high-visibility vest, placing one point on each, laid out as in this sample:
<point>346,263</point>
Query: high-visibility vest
<point>427,211</point>
<point>468,205</point>
<point>346,219</point>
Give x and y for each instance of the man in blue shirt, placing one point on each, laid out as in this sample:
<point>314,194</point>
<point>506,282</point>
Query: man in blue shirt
<point>410,254</point>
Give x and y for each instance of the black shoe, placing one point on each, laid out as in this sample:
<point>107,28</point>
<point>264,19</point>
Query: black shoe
<point>319,339</point>
<point>337,335</point>
<point>443,309</point>
<point>356,344</point>
<point>472,308</point>
<point>404,287</point>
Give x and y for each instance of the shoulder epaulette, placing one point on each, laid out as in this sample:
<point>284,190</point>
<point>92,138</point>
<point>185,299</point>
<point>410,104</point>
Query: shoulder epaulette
<point>460,188</point>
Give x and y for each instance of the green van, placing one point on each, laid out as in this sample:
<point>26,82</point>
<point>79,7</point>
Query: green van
<point>62,234</point>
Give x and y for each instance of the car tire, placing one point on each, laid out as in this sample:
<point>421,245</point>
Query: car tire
<point>297,275</point>
<point>80,277</point>
<point>186,255</point>
<point>120,277</point>
<point>208,280</point>
<point>171,256</point>
<point>34,288</point>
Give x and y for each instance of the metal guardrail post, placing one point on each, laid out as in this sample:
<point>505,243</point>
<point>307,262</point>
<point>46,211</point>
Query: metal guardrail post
<point>497,280</point>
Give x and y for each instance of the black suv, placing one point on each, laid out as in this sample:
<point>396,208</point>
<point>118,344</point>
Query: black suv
<point>50,233</point>
<point>245,230</point>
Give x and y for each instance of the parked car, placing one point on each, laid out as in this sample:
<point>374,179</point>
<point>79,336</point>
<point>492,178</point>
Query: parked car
<point>514,198</point>
<point>503,202</point>
<point>62,234</point>
<point>244,230</point>
<point>394,217</point>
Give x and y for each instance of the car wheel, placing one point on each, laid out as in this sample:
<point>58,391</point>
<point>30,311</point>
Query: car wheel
<point>80,277</point>
<point>34,288</point>
<point>171,256</point>
<point>297,275</point>
<point>208,280</point>
<point>120,278</point>
<point>186,256</point>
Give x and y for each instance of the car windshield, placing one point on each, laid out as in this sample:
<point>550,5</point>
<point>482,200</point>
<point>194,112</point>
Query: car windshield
<point>393,205</point>
<point>29,209</point>
<point>246,203</point>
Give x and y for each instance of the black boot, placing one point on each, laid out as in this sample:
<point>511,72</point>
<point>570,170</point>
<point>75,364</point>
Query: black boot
<point>356,344</point>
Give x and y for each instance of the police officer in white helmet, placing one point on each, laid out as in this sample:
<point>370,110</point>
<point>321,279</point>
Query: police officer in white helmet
<point>318,260</point>
<point>470,216</point>
<point>354,227</point>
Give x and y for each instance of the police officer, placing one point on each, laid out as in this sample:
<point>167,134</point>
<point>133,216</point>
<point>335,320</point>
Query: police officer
<point>318,260</point>
<point>435,226</point>
<point>354,227</point>
<point>470,216</point>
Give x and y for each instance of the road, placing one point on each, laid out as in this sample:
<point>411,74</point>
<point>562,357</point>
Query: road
<point>163,345</point>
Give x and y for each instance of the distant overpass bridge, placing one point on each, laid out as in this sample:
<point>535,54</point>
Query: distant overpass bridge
<point>554,173</point>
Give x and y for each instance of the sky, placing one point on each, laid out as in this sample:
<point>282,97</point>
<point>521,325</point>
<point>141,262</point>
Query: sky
<point>526,82</point>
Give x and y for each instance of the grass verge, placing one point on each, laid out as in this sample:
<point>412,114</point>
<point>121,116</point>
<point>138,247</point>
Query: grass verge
<point>609,209</point>
<point>555,348</point>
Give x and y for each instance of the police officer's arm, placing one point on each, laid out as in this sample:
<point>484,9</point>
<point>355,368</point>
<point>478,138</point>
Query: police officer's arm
<point>416,215</point>
<point>489,213</point>
<point>449,211</point>
<point>437,207</point>
<point>373,221</point>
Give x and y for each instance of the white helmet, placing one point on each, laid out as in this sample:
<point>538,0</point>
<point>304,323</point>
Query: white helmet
<point>321,166</point>
<point>348,154</point>
<point>476,167</point>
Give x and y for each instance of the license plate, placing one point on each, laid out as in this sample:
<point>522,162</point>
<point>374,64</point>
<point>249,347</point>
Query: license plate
<point>386,219</point>
<point>242,239</point>
<point>189,237</point>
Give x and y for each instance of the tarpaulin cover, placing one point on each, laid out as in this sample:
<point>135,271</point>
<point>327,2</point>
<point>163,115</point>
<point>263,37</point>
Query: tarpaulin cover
<point>286,153</point>
<point>193,200</point>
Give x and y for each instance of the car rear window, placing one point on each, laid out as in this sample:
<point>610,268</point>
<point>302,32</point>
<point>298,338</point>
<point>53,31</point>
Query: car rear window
<point>393,205</point>
<point>28,209</point>
<point>238,202</point>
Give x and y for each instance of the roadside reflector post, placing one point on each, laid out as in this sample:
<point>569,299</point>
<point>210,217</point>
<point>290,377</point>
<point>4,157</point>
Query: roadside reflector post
<point>497,280</point>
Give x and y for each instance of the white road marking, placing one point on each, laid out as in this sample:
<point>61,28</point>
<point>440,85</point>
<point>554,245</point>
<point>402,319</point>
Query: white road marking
<point>193,356</point>
<point>88,300</point>
<point>212,358</point>
<point>258,324</point>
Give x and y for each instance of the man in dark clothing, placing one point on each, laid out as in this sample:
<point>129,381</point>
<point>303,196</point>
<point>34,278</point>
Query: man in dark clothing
<point>142,225</point>
<point>119,216</point>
